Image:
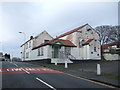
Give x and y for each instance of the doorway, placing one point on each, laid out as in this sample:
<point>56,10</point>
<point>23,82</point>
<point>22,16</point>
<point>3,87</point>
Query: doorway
<point>56,51</point>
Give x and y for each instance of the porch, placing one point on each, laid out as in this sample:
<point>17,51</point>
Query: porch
<point>60,54</point>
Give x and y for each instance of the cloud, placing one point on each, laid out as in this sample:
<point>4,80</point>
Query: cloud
<point>54,16</point>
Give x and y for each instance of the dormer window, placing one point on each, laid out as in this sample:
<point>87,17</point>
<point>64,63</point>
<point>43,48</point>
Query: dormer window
<point>80,31</point>
<point>88,29</point>
<point>46,40</point>
<point>95,49</point>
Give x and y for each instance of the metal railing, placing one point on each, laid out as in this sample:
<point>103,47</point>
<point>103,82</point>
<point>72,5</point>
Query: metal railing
<point>63,55</point>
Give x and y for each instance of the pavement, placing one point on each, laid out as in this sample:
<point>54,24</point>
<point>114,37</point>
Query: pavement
<point>88,71</point>
<point>27,75</point>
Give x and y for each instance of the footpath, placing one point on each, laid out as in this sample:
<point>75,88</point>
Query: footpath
<point>82,73</point>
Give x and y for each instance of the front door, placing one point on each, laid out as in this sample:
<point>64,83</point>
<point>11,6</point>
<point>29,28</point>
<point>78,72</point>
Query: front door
<point>56,51</point>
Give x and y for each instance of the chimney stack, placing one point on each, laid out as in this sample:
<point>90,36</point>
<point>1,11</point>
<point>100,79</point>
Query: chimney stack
<point>31,37</point>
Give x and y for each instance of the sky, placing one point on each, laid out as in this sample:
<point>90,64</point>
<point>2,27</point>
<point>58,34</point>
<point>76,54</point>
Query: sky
<point>54,16</point>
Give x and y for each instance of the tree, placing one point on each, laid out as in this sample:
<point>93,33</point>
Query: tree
<point>16,59</point>
<point>108,33</point>
<point>116,33</point>
<point>7,56</point>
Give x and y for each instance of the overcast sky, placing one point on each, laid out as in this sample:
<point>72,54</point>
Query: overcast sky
<point>54,16</point>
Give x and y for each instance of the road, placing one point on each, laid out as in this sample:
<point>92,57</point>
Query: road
<point>26,75</point>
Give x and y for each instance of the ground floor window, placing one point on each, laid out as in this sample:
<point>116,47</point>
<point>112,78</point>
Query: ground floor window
<point>40,51</point>
<point>68,50</point>
<point>27,55</point>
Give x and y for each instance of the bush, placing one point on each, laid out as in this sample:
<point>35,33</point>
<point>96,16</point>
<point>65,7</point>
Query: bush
<point>114,51</point>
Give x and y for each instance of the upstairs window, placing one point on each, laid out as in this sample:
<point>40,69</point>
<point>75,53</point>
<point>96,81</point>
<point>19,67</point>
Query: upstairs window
<point>81,42</point>
<point>88,29</point>
<point>79,31</point>
<point>46,40</point>
<point>95,49</point>
<point>29,44</point>
<point>26,45</point>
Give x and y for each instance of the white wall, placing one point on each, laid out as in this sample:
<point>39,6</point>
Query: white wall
<point>32,54</point>
<point>46,53</point>
<point>75,52</point>
<point>85,51</point>
<point>41,37</point>
<point>78,52</point>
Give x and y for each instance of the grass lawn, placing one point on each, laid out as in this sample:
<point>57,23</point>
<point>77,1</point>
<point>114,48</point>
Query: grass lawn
<point>112,75</point>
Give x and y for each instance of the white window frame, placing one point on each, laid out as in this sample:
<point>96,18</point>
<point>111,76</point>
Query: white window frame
<point>40,52</point>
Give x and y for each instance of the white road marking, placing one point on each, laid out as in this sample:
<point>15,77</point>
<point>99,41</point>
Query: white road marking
<point>25,71</point>
<point>16,65</point>
<point>17,69</point>
<point>8,70</point>
<point>46,83</point>
<point>0,70</point>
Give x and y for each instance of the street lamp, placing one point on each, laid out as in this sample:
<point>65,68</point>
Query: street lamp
<point>24,45</point>
<point>24,35</point>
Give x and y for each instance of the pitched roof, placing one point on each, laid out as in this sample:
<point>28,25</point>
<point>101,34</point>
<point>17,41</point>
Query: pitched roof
<point>66,42</point>
<point>36,37</point>
<point>51,42</point>
<point>69,32</point>
<point>88,41</point>
<point>26,42</point>
<point>105,46</point>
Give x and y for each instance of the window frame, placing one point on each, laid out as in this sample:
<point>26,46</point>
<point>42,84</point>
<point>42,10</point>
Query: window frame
<point>40,52</point>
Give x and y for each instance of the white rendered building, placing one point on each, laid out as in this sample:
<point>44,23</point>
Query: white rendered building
<point>81,43</point>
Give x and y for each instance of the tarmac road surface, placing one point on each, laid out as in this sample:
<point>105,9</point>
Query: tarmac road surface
<point>26,75</point>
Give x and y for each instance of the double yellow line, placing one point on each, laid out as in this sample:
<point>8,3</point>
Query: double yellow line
<point>92,81</point>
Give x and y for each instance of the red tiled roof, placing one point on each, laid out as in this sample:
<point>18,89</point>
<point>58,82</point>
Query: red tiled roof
<point>88,41</point>
<point>64,42</point>
<point>67,33</point>
<point>105,46</point>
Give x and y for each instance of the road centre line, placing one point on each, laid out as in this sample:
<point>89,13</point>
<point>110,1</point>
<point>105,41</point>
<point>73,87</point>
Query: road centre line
<point>46,83</point>
<point>90,80</point>
<point>16,65</point>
